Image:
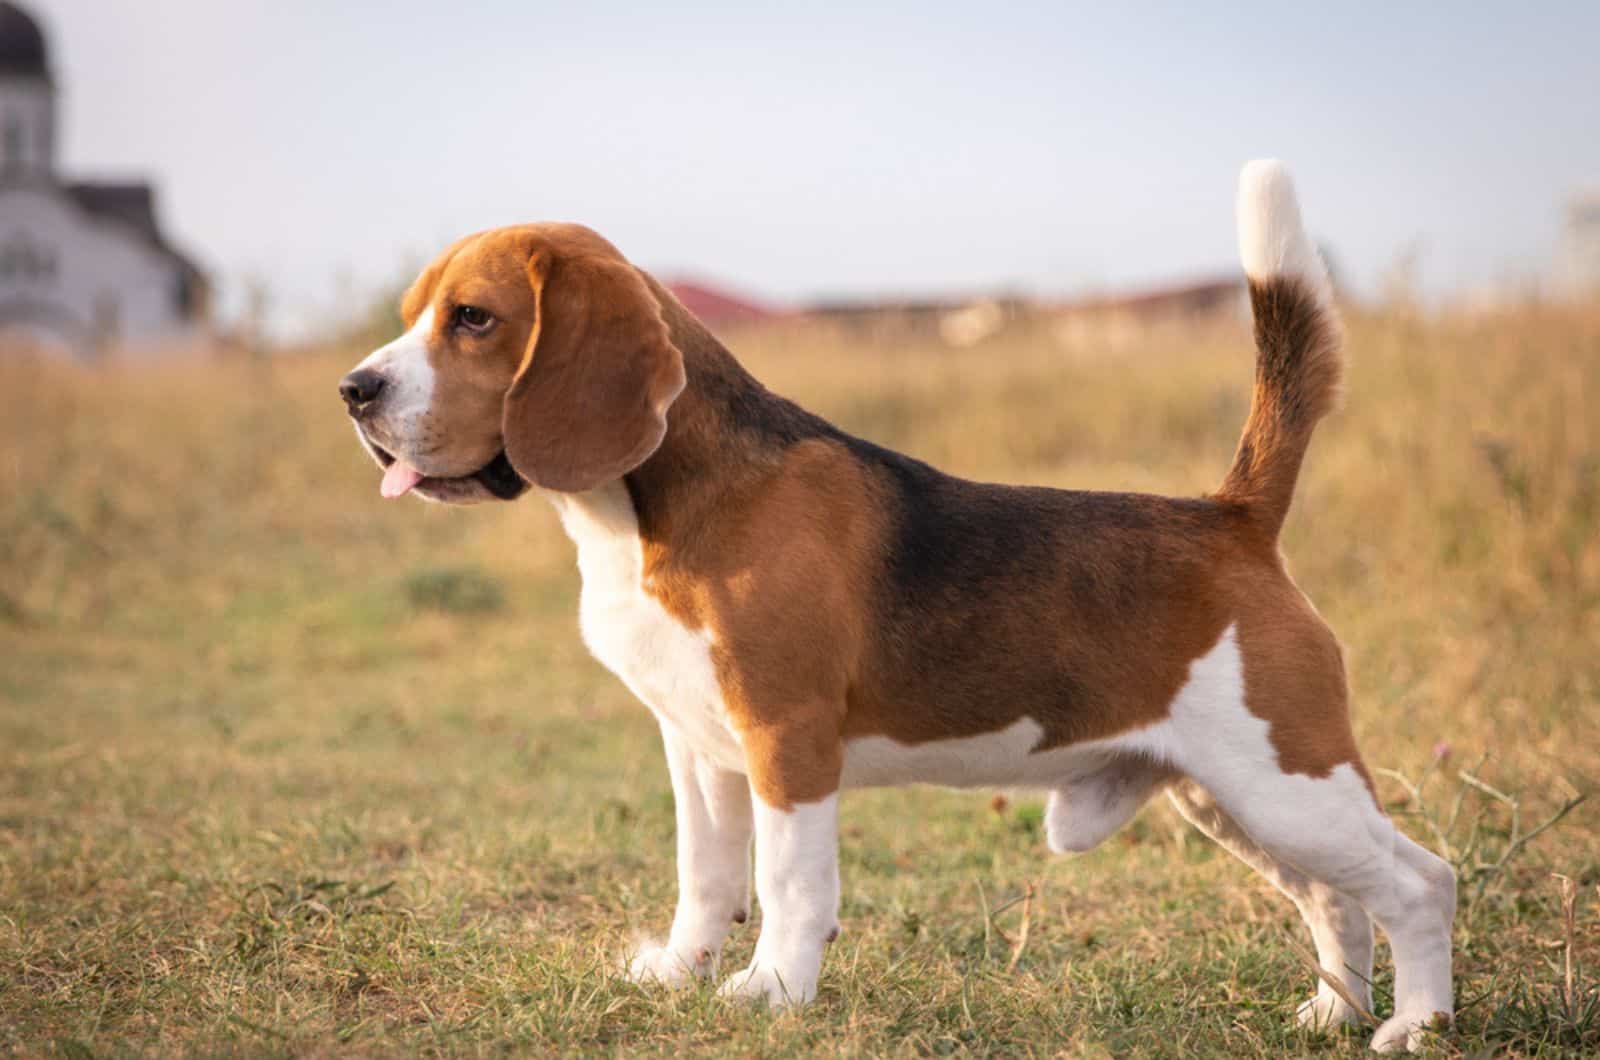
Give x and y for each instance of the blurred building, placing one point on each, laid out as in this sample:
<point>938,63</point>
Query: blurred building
<point>1103,322</point>
<point>718,306</point>
<point>954,321</point>
<point>1578,261</point>
<point>1116,321</point>
<point>84,266</point>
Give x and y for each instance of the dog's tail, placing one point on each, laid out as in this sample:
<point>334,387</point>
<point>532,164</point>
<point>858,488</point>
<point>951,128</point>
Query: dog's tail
<point>1298,336</point>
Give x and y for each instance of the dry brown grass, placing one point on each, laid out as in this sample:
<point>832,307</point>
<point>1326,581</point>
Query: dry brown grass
<point>284,768</point>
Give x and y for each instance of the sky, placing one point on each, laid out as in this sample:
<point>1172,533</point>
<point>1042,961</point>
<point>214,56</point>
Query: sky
<point>803,150</point>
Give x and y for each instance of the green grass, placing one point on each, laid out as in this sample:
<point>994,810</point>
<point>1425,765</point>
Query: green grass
<point>286,770</point>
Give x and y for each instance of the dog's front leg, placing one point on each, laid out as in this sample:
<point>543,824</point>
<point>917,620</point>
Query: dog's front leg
<point>795,787</point>
<point>712,807</point>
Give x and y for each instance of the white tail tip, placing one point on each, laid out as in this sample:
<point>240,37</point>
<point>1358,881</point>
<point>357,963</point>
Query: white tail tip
<point>1272,239</point>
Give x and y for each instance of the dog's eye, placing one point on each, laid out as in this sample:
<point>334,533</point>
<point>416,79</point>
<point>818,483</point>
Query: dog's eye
<point>471,318</point>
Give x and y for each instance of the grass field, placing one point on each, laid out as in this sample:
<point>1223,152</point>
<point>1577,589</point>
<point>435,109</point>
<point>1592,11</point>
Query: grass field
<point>288,770</point>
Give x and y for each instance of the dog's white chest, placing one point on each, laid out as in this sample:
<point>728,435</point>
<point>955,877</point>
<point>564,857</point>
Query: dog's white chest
<point>663,662</point>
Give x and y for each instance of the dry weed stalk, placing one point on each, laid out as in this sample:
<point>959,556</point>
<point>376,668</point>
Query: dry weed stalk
<point>1472,858</point>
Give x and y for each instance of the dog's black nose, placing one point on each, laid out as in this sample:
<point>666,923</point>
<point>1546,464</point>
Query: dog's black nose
<point>360,388</point>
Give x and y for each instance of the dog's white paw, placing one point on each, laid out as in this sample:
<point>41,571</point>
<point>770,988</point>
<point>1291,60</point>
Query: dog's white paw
<point>655,963</point>
<point>1407,1031</point>
<point>1326,1011</point>
<point>764,983</point>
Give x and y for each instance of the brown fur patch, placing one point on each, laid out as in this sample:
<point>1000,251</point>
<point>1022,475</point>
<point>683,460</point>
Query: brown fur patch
<point>1294,677</point>
<point>786,612</point>
<point>589,400</point>
<point>1299,370</point>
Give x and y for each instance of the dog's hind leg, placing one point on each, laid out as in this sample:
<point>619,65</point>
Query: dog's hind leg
<point>1332,832</point>
<point>1083,813</point>
<point>1295,786</point>
<point>1340,927</point>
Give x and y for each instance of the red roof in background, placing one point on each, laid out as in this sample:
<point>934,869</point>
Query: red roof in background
<point>716,305</point>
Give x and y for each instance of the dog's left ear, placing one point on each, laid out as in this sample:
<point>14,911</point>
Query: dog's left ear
<point>589,402</point>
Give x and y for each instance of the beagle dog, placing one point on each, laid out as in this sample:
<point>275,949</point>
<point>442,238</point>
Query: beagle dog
<point>805,612</point>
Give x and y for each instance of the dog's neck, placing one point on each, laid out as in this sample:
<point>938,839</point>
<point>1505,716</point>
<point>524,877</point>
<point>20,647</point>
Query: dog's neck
<point>726,433</point>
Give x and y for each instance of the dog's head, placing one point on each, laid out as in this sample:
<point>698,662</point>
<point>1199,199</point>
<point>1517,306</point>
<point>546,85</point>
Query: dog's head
<point>535,354</point>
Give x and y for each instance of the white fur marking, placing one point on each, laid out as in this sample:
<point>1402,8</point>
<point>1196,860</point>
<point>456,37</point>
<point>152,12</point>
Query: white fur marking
<point>1005,757</point>
<point>712,807</point>
<point>666,664</point>
<point>1328,828</point>
<point>1272,239</point>
<point>797,880</point>
<point>408,389</point>
<point>1339,925</point>
<point>1081,814</point>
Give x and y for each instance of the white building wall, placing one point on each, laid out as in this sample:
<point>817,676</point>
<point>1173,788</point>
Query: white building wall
<point>112,289</point>
<point>27,127</point>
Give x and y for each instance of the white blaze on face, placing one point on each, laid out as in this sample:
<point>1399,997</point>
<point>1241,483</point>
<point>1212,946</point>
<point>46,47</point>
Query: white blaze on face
<point>408,392</point>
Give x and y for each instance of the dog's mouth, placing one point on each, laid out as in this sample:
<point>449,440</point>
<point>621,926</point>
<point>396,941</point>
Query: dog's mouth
<point>497,477</point>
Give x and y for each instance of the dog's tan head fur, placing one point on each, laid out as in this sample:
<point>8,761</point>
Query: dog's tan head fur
<point>536,350</point>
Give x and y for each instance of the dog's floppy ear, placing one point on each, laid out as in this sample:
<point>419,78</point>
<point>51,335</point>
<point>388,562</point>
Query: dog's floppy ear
<point>589,402</point>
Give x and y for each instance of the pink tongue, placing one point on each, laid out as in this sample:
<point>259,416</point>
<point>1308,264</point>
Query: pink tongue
<point>398,479</point>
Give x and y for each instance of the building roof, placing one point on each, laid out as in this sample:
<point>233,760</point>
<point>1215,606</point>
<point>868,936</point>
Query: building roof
<point>22,48</point>
<point>715,305</point>
<point>133,206</point>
